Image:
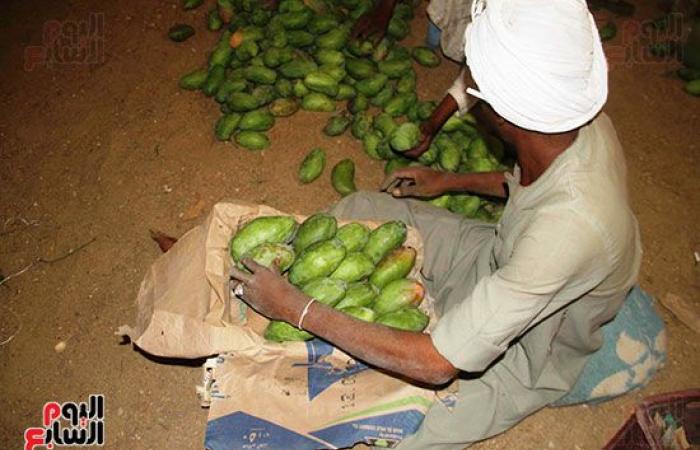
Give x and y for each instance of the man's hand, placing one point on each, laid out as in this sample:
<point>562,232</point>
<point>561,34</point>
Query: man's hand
<point>375,22</point>
<point>428,133</point>
<point>415,182</point>
<point>266,291</point>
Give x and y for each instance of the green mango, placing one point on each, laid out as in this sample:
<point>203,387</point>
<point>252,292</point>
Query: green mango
<point>284,88</point>
<point>330,57</point>
<point>283,107</point>
<point>394,68</point>
<point>215,79</point>
<point>400,104</point>
<point>407,319</point>
<point>343,177</point>
<point>359,312</point>
<point>226,125</point>
<point>299,38</point>
<point>359,293</point>
<point>321,82</point>
<point>370,143</point>
<point>242,102</point>
<point>194,80</point>
<point>252,140</point>
<point>394,266</point>
<point>295,20</point>
<point>464,205</point>
<point>227,87</point>
<point>272,57</point>
<point>277,331</point>
<point>361,124</point>
<point>398,294</point>
<point>358,104</point>
<point>405,137</point>
<point>316,228</point>
<point>404,11</point>
<point>297,68</point>
<point>345,92</point>
<point>450,155</point>
<point>354,236</point>
<point>315,101</point>
<point>335,72</point>
<point>441,202</point>
<point>425,57</point>
<point>337,125</point>
<point>247,50</point>
<point>261,230</point>
<point>384,124</point>
<point>312,166</point>
<point>299,89</point>
<point>406,84</point>
<point>355,267</point>
<point>381,99</point>
<point>268,254</point>
<point>328,291</point>
<point>317,261</point>
<point>258,120</point>
<point>398,28</point>
<point>372,85</point>
<point>385,238</point>
<point>264,94</point>
<point>260,75</point>
<point>214,21</point>
<point>180,32</point>
<point>321,24</point>
<point>381,50</point>
<point>293,6</point>
<point>478,149</point>
<point>395,164</point>
<point>334,39</point>
<point>360,68</point>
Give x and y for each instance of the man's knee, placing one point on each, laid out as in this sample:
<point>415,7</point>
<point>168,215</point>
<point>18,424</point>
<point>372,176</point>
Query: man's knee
<point>359,204</point>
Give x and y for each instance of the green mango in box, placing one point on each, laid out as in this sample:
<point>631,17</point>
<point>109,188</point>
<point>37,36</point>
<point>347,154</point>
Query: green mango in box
<point>321,82</point>
<point>334,39</point>
<point>450,155</point>
<point>299,38</point>
<point>299,89</point>
<point>395,164</point>
<point>180,32</point>
<point>441,202</point>
<point>229,86</point>
<point>328,291</point>
<point>359,312</point>
<point>316,228</point>
<point>297,68</point>
<point>321,24</point>
<point>358,104</point>
<point>359,293</point>
<point>268,254</point>
<point>315,101</point>
<point>214,21</point>
<point>264,94</point>
<point>381,99</point>
<point>353,236</point>
<point>283,88</point>
<point>194,80</point>
<point>394,68</point>
<point>242,102</point>
<point>295,20</point>
<point>283,107</point>
<point>385,238</point>
<point>337,125</point>
<point>370,144</point>
<point>394,266</point>
<point>360,68</point>
<point>226,125</point>
<point>336,72</point>
<point>355,267</point>
<point>464,205</point>
<point>214,80</point>
<point>405,137</point>
<point>252,140</point>
<point>345,92</point>
<point>407,83</point>
<point>257,120</point>
<point>312,166</point>
<point>361,124</point>
<point>261,230</point>
<point>330,57</point>
<point>384,123</point>
<point>317,261</point>
<point>373,85</point>
<point>425,57</point>
<point>277,331</point>
<point>400,104</point>
<point>407,319</point>
<point>398,28</point>
<point>343,177</point>
<point>397,295</point>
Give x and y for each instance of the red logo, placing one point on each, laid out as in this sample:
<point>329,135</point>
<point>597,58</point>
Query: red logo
<point>69,424</point>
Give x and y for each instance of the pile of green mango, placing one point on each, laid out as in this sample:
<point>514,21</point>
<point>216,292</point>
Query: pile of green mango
<point>358,271</point>
<point>271,63</point>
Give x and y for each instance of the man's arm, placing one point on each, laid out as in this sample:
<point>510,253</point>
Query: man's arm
<point>426,182</point>
<point>405,353</point>
<point>374,23</point>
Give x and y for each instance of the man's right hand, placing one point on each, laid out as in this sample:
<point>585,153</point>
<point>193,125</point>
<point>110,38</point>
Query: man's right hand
<point>416,182</point>
<point>373,24</point>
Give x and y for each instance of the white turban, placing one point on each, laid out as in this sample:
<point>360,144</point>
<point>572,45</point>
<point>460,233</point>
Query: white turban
<point>538,63</point>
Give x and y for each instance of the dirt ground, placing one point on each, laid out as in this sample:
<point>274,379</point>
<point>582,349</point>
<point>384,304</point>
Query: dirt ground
<point>108,149</point>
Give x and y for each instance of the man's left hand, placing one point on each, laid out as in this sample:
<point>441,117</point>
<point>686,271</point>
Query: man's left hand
<point>268,292</point>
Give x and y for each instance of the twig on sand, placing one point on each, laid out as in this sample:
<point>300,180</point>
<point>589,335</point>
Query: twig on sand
<point>19,328</point>
<point>42,260</point>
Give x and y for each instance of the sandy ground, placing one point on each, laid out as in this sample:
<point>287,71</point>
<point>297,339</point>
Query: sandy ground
<point>107,150</point>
